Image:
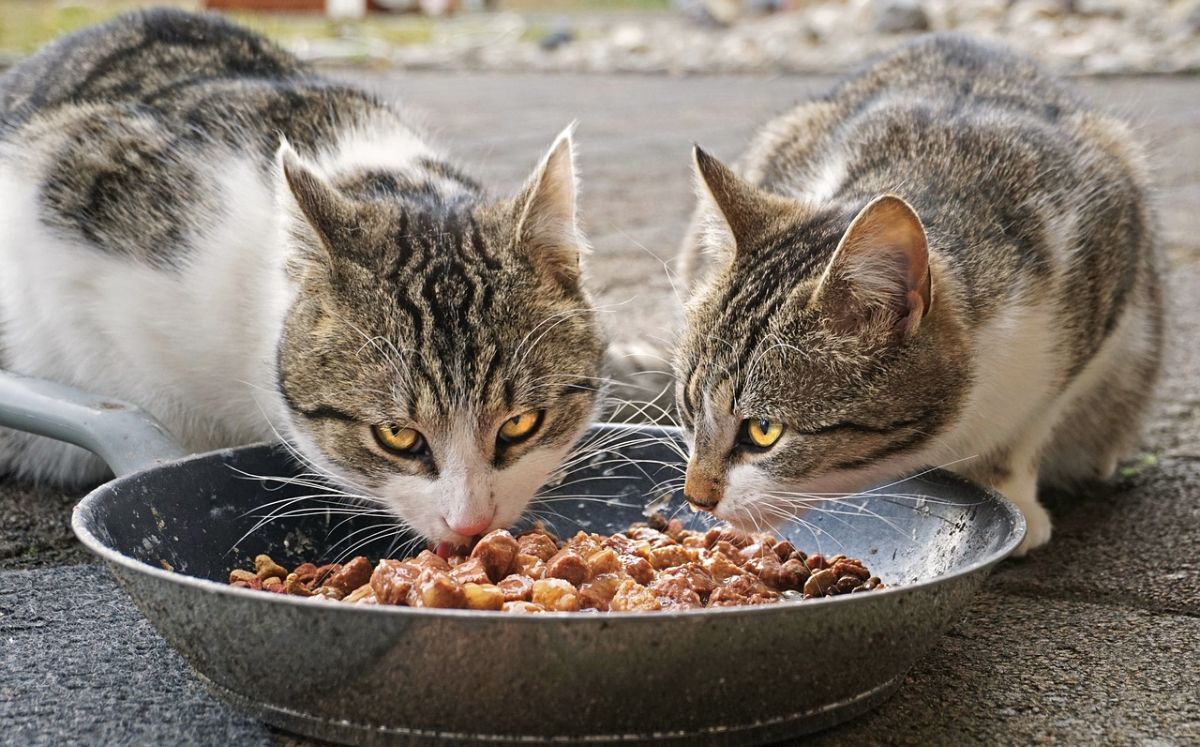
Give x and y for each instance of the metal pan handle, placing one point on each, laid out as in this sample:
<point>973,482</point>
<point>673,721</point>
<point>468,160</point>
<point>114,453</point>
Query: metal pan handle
<point>127,439</point>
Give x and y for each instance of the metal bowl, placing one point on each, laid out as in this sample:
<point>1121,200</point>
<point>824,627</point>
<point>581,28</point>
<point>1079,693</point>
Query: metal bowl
<point>170,533</point>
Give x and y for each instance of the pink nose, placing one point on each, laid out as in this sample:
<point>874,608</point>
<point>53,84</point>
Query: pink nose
<point>470,527</point>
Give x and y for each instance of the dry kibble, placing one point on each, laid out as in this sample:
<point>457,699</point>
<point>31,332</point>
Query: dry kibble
<point>294,586</point>
<point>360,594</point>
<point>266,568</point>
<point>237,574</point>
<point>848,583</point>
<point>819,584</point>
<point>652,566</point>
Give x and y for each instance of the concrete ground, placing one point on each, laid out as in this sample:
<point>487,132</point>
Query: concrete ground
<point>1094,639</point>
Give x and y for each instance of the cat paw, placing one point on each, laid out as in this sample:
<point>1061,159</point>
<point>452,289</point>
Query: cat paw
<point>1038,528</point>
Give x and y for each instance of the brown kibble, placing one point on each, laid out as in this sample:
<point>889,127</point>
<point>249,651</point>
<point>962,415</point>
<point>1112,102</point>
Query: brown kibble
<point>483,596</point>
<point>350,576</point>
<point>567,565</point>
<point>306,573</point>
<point>293,586</point>
<point>516,588</point>
<point>847,584</point>
<point>647,568</point>
<point>783,550</point>
<point>846,566</point>
<point>793,574</point>
<point>556,595</point>
<point>360,594</point>
<point>819,583</point>
<point>496,550</point>
<point>538,545</point>
<point>238,575</point>
<point>266,568</point>
<point>328,592</point>
<point>470,571</point>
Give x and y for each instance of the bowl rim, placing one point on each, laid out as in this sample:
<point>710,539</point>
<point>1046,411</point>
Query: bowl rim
<point>88,505</point>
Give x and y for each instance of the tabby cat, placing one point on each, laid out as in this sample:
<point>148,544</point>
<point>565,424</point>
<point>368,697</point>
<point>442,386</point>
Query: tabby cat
<point>192,221</point>
<point>948,260</point>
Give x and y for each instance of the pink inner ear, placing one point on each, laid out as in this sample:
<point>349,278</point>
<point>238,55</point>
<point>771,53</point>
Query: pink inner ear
<point>884,261</point>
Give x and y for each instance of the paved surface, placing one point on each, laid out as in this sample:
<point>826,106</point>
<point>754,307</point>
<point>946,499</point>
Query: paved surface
<point>1093,640</point>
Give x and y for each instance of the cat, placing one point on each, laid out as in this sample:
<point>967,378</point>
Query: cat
<point>192,221</point>
<point>948,260</point>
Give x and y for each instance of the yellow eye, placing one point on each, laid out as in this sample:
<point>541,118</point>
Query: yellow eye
<point>763,433</point>
<point>404,441</point>
<point>520,427</point>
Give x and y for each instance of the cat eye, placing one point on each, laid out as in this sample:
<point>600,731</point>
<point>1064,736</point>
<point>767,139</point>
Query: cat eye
<point>402,441</point>
<point>761,433</point>
<point>520,427</point>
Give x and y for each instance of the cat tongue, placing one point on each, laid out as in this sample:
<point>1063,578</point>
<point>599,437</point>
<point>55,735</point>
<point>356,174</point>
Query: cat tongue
<point>444,550</point>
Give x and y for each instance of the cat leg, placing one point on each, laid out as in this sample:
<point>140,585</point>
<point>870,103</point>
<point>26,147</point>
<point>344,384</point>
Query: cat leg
<point>1021,487</point>
<point>1014,474</point>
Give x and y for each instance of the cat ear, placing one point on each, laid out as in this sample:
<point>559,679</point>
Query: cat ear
<point>315,207</point>
<point>880,269</point>
<point>547,222</point>
<point>740,213</point>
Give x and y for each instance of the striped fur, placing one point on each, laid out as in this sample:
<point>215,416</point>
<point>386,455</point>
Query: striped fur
<point>1020,337</point>
<point>196,223</point>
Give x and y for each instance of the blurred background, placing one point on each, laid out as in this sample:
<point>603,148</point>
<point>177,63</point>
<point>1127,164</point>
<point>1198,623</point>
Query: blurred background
<point>667,36</point>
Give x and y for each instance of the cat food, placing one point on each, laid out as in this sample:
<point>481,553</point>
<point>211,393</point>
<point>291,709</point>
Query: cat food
<point>650,566</point>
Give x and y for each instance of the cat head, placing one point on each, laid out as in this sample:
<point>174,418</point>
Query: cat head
<point>441,355</point>
<point>821,354</point>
